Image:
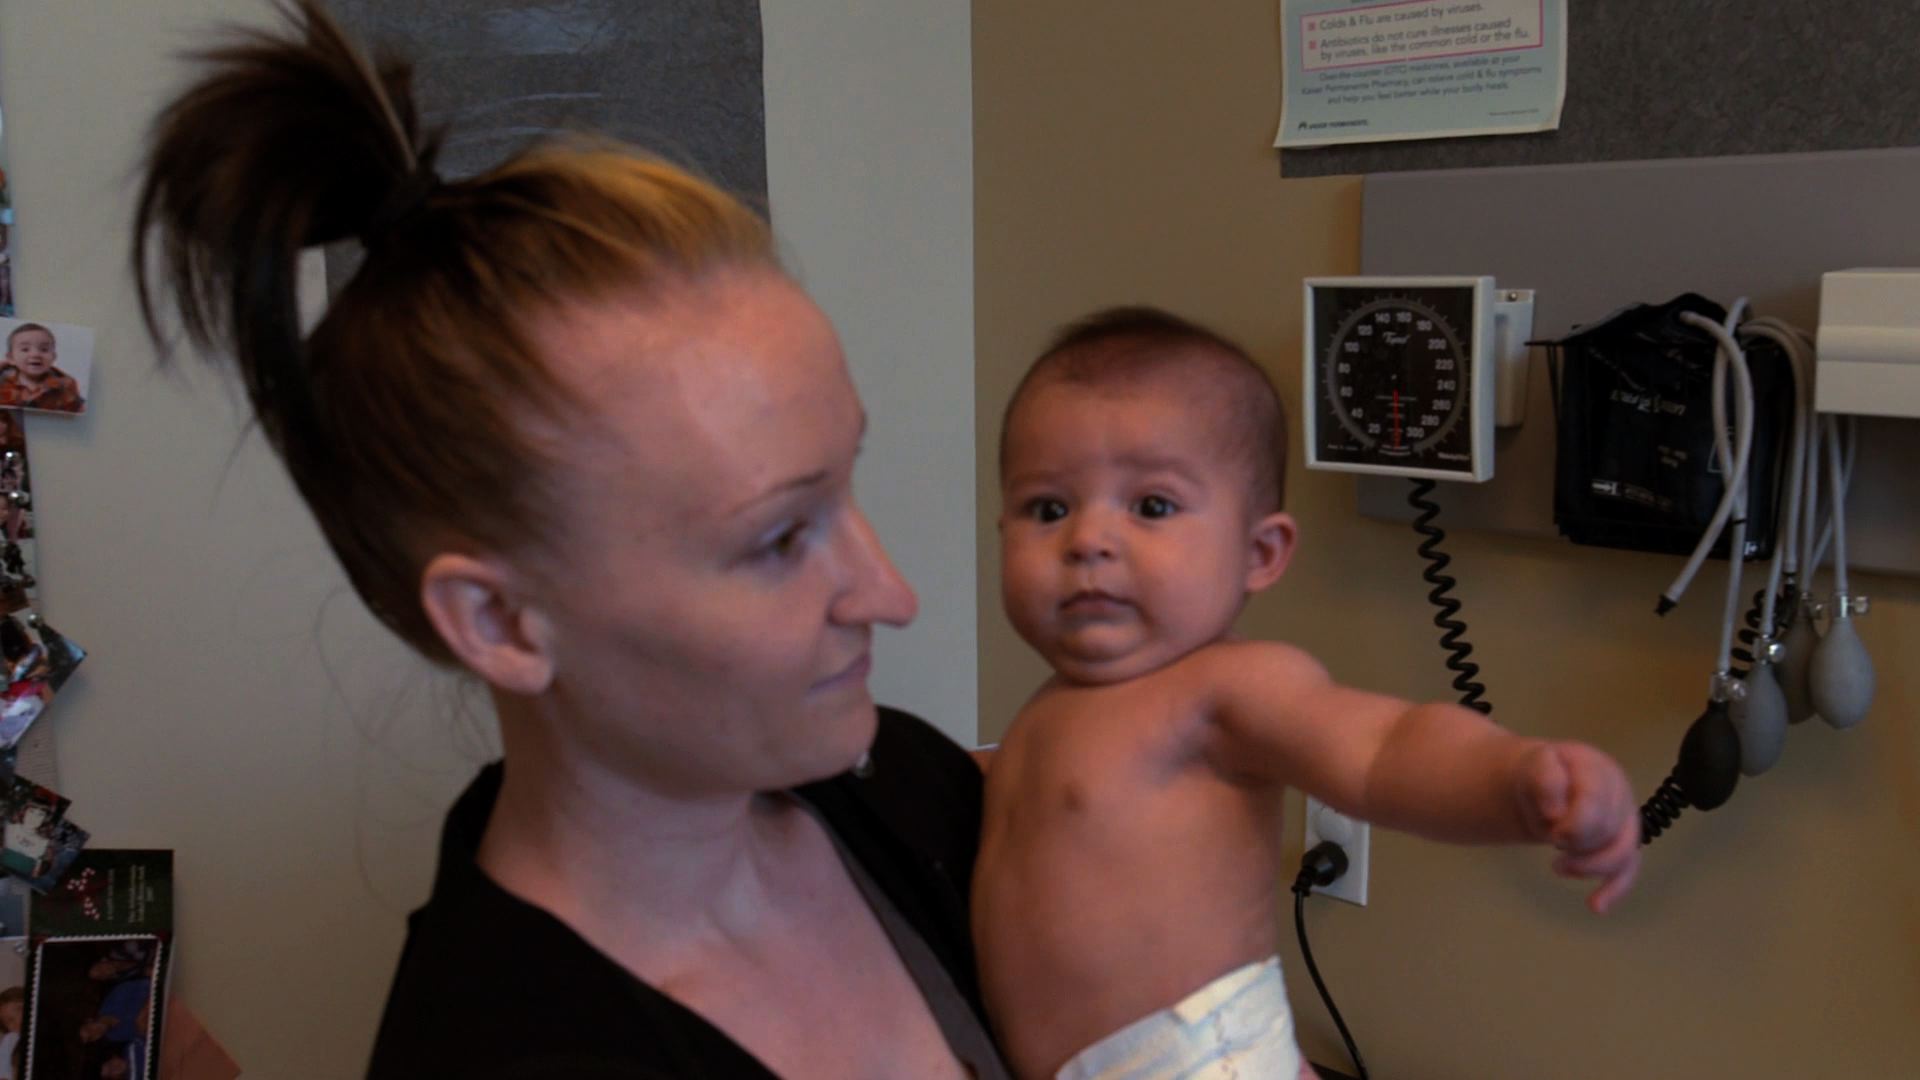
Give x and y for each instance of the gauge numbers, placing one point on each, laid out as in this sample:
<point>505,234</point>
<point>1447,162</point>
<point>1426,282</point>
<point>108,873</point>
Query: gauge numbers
<point>1393,374</point>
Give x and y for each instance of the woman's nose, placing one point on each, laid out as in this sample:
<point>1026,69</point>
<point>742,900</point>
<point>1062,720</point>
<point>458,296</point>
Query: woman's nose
<point>875,592</point>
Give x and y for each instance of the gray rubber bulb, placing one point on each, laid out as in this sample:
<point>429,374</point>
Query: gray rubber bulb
<point>1760,718</point>
<point>1796,653</point>
<point>1840,678</point>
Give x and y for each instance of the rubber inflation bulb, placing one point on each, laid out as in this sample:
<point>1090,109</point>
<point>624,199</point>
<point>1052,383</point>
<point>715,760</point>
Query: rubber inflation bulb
<point>1796,651</point>
<point>1760,719</point>
<point>1709,765</point>
<point>1840,678</point>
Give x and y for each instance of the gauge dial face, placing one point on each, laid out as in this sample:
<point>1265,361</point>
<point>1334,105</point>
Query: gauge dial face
<point>1392,387</point>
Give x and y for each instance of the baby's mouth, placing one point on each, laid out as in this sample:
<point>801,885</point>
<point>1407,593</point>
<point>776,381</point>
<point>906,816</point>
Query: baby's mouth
<point>1093,603</point>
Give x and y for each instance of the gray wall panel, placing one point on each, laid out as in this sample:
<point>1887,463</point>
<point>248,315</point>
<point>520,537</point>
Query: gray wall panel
<point>1592,238</point>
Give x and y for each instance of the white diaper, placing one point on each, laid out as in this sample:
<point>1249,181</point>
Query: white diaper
<point>1238,1025</point>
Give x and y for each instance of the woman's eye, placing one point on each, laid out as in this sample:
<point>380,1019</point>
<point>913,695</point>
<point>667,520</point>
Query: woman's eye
<point>1046,511</point>
<point>1155,506</point>
<point>789,542</point>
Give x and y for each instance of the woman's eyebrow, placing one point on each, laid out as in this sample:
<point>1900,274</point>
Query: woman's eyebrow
<point>798,483</point>
<point>813,479</point>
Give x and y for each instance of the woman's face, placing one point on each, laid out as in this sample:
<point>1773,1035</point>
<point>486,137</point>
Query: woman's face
<point>715,585</point>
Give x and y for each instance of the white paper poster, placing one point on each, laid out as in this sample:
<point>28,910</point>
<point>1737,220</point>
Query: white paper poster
<point>1366,71</point>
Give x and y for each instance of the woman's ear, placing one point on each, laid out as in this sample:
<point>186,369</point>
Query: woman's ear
<point>1269,550</point>
<point>488,622</point>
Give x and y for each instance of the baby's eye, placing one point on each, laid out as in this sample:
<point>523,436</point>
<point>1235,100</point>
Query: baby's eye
<point>1155,507</point>
<point>1046,510</point>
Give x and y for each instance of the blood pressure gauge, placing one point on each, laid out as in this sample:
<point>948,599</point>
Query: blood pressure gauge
<point>1398,376</point>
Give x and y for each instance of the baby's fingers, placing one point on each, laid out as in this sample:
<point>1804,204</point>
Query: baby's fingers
<point>1599,803</point>
<point>1616,864</point>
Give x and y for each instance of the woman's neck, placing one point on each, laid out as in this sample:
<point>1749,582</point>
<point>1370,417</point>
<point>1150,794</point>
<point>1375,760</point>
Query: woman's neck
<point>632,870</point>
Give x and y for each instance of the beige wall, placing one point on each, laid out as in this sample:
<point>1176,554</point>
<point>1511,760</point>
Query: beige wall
<point>1122,153</point>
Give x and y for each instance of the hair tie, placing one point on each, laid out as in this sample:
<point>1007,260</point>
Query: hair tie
<point>408,198</point>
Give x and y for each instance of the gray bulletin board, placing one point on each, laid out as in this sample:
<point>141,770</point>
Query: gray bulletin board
<point>1706,78</point>
<point>681,78</point>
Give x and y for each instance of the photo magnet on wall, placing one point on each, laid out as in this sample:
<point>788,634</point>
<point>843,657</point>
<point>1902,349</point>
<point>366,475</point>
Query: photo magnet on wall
<point>6,244</point>
<point>13,1000</point>
<point>35,662</point>
<point>100,950</point>
<point>16,515</point>
<point>46,366</point>
<point>37,842</point>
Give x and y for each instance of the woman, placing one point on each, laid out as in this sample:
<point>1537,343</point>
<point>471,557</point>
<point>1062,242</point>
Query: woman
<point>570,428</point>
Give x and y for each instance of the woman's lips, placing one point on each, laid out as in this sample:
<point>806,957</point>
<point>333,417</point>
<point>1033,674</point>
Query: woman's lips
<point>850,675</point>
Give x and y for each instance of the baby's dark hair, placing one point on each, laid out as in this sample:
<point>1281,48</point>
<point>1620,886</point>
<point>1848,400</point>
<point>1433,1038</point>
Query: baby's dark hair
<point>23,328</point>
<point>1135,342</point>
<point>416,416</point>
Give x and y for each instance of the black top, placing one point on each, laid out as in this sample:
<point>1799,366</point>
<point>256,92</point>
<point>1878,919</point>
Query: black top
<point>492,987</point>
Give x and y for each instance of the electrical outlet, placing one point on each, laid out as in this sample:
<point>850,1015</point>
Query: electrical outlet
<point>1354,836</point>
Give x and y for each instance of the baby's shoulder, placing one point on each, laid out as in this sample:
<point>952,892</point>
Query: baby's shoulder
<point>1243,661</point>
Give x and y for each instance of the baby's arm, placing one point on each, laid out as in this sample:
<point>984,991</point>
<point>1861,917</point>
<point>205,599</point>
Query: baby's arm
<point>1440,771</point>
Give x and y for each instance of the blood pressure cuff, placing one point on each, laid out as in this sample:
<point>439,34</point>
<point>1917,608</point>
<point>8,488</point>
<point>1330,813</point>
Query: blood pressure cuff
<point>1633,397</point>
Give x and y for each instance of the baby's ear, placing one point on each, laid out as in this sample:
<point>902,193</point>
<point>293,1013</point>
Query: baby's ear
<point>1269,550</point>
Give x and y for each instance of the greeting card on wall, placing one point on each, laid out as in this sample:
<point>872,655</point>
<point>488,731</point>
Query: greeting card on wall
<point>100,949</point>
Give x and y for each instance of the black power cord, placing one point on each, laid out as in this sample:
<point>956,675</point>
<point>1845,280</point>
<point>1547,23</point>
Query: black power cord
<point>1322,866</point>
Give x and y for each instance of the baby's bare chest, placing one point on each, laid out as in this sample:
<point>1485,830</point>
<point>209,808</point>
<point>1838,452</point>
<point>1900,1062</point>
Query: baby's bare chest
<point>1114,774</point>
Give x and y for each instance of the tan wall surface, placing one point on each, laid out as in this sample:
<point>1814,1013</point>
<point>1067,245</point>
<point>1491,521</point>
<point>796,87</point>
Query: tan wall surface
<point>1121,153</point>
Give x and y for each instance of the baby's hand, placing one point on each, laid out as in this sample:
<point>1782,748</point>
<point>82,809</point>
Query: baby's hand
<point>1578,799</point>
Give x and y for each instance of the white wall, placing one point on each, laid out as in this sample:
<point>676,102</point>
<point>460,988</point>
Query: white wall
<point>239,706</point>
<point>870,171</point>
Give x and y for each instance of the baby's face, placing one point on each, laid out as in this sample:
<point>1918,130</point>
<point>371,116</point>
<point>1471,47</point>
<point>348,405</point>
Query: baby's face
<point>1125,538</point>
<point>33,351</point>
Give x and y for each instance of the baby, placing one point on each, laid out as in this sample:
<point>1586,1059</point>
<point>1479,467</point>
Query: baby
<point>29,380</point>
<point>1125,900</point>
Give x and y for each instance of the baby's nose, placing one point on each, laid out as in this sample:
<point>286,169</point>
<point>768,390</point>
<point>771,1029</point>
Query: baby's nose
<point>1090,538</point>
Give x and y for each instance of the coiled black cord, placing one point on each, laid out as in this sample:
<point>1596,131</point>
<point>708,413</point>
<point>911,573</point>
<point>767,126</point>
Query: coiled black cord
<point>1453,630</point>
<point>1659,813</point>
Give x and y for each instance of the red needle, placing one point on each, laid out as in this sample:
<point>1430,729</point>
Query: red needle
<point>1396,419</point>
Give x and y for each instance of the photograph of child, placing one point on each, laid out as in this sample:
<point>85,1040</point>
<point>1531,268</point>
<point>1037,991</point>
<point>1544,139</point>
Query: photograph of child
<point>36,841</point>
<point>13,1005</point>
<point>35,662</point>
<point>16,514</point>
<point>93,1008</point>
<point>17,583</point>
<point>46,366</point>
